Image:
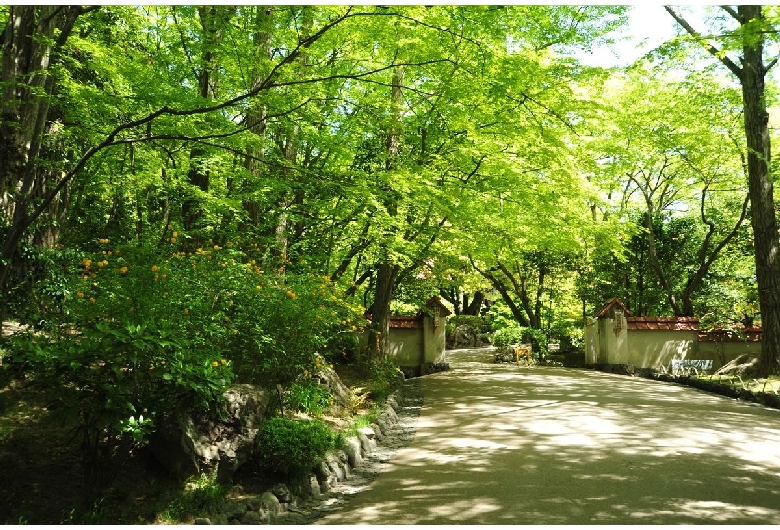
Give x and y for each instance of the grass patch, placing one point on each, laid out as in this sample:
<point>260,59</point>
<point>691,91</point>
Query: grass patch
<point>770,384</point>
<point>202,495</point>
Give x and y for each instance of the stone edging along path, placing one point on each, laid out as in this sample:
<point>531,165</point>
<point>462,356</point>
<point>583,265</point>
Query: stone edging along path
<point>341,475</point>
<point>763,398</point>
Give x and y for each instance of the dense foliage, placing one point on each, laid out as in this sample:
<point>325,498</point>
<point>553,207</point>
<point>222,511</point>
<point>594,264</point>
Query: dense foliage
<point>191,196</point>
<point>293,447</point>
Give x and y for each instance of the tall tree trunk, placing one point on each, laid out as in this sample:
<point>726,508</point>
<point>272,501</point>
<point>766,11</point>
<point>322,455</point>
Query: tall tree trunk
<point>476,304</point>
<point>763,217</point>
<point>751,75</point>
<point>257,114</point>
<point>386,272</point>
<point>31,38</point>
<point>198,176</point>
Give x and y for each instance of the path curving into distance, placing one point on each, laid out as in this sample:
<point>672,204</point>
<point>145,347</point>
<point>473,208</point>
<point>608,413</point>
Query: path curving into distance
<point>502,444</point>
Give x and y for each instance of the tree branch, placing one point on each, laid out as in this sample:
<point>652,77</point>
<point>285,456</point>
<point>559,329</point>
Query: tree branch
<point>715,52</point>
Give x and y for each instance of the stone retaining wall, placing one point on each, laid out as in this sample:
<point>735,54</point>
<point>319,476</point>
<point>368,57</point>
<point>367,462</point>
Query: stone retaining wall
<point>279,505</point>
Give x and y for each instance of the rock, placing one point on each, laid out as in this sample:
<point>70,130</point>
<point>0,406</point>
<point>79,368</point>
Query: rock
<point>340,393</point>
<point>202,520</point>
<point>252,518</point>
<point>335,468</point>
<point>368,432</point>
<point>465,335</point>
<point>282,493</point>
<point>367,444</point>
<point>325,477</point>
<point>378,434</point>
<point>188,445</point>
<point>254,504</point>
<point>391,415</point>
<point>381,422</point>
<point>270,503</point>
<point>314,487</point>
<point>354,451</point>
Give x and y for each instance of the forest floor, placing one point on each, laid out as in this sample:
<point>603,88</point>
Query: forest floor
<point>41,478</point>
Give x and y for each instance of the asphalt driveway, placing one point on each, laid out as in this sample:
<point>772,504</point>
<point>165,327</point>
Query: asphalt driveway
<point>502,444</point>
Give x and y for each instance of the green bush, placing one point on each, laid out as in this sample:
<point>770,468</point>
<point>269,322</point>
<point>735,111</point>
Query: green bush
<point>149,328</point>
<point>308,395</point>
<point>508,335</point>
<point>384,378</point>
<point>292,447</point>
<point>517,334</point>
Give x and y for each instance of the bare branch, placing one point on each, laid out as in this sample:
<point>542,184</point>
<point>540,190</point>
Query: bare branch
<point>734,14</point>
<point>715,52</point>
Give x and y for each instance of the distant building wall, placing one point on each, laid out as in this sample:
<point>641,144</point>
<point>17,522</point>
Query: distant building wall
<point>415,341</point>
<point>591,342</point>
<point>722,347</point>
<point>434,338</point>
<point>653,349</point>
<point>617,338</point>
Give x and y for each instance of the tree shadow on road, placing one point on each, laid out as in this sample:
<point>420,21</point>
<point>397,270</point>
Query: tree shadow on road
<point>498,444</point>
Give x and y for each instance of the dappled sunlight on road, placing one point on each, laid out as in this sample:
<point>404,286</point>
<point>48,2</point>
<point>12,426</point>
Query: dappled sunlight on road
<point>502,444</point>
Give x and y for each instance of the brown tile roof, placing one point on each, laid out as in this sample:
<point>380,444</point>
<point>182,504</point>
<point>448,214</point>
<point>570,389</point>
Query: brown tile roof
<point>406,322</point>
<point>435,303</point>
<point>751,334</point>
<point>663,323</point>
<point>609,304</point>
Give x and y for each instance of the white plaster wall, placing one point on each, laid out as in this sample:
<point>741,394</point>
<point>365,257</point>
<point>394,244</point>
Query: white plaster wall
<point>406,345</point>
<point>591,342</point>
<point>435,339</point>
<point>656,348</point>
<point>613,340</point>
<point>723,352</point>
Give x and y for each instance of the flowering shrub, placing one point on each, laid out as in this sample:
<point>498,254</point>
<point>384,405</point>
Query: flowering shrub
<point>155,329</point>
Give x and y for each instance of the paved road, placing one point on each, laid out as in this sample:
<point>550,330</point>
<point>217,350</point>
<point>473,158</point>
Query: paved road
<point>501,444</point>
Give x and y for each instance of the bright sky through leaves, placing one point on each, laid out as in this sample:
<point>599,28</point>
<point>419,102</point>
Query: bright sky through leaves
<point>649,26</point>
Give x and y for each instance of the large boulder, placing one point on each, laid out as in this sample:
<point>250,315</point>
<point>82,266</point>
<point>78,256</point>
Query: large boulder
<point>465,336</point>
<point>328,377</point>
<point>187,444</point>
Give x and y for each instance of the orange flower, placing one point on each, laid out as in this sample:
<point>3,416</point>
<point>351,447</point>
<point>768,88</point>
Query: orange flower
<point>80,294</point>
<point>155,268</point>
<point>123,270</point>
